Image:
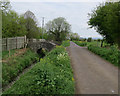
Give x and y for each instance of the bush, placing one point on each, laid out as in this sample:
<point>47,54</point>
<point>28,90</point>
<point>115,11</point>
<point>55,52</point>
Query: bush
<point>80,43</point>
<point>109,54</point>
<point>66,43</point>
<point>11,69</point>
<point>53,75</point>
<point>89,39</point>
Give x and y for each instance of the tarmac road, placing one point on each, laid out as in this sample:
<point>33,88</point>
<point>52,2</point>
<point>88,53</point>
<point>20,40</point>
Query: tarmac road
<point>92,74</point>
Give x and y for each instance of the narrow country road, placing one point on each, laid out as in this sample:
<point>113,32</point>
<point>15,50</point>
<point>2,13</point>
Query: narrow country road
<point>92,74</point>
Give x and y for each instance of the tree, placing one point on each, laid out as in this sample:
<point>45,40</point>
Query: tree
<point>106,20</point>
<point>12,25</point>
<point>59,28</point>
<point>89,39</point>
<point>5,6</point>
<point>31,25</point>
<point>74,36</point>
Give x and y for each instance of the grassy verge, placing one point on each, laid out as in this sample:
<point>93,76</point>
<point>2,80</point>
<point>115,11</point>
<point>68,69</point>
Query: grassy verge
<point>110,54</point>
<point>5,54</point>
<point>15,65</point>
<point>80,43</point>
<point>53,75</point>
<point>66,43</point>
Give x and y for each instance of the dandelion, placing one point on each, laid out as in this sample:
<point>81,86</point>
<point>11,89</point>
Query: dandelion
<point>72,79</point>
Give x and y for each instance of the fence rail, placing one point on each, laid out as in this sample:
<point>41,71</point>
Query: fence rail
<point>13,43</point>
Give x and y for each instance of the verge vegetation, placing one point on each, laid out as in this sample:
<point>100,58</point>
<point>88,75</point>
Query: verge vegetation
<point>110,54</point>
<point>80,43</point>
<point>66,43</point>
<point>15,65</point>
<point>52,75</point>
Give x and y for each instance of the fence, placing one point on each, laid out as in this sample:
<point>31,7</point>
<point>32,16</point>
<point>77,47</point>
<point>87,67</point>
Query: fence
<point>13,43</point>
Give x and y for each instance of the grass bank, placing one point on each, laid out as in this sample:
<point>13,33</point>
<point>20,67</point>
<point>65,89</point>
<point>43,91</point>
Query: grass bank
<point>15,65</point>
<point>52,75</point>
<point>111,54</point>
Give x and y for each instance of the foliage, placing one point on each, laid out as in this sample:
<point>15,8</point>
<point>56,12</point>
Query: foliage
<point>12,25</point>
<point>95,43</point>
<point>89,39</point>
<point>74,36</point>
<point>5,6</point>
<point>66,43</point>
<point>11,69</point>
<point>109,54</point>
<point>5,54</point>
<point>59,28</point>
<point>105,19</point>
<point>18,25</point>
<point>31,25</point>
<point>80,43</point>
<point>53,75</point>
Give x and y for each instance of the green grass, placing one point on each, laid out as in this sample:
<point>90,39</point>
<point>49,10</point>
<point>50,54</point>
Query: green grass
<point>66,43</point>
<point>5,54</point>
<point>53,75</point>
<point>111,54</point>
<point>95,43</point>
<point>11,69</point>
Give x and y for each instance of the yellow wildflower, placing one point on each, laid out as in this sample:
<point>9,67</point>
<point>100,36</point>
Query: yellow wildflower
<point>72,79</point>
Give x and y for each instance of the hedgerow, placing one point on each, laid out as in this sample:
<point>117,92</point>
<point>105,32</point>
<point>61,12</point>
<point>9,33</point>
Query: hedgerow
<point>66,43</point>
<point>53,75</point>
<point>80,43</point>
<point>11,69</point>
<point>110,54</point>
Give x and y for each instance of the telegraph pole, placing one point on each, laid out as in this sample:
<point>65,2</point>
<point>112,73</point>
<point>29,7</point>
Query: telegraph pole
<point>42,26</point>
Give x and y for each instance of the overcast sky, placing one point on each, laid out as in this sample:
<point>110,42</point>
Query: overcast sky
<point>76,13</point>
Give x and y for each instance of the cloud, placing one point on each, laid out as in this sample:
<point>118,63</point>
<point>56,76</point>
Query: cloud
<point>58,0</point>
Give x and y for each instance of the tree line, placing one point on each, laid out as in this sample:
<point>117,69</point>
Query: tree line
<point>105,18</point>
<point>14,25</point>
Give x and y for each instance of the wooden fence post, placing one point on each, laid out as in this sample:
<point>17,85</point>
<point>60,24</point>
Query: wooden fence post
<point>6,43</point>
<point>16,42</point>
<point>25,42</point>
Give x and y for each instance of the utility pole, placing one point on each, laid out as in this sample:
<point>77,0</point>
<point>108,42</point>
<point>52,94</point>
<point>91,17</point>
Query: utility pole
<point>42,26</point>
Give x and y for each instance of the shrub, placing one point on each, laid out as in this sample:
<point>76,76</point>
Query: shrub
<point>109,54</point>
<point>53,75</point>
<point>11,69</point>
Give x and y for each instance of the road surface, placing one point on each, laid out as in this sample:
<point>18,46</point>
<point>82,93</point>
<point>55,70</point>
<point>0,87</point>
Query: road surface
<point>92,74</point>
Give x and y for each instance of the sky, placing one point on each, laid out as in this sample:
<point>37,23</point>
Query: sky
<point>75,12</point>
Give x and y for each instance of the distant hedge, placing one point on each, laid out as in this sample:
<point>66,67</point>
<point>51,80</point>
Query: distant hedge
<point>80,43</point>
